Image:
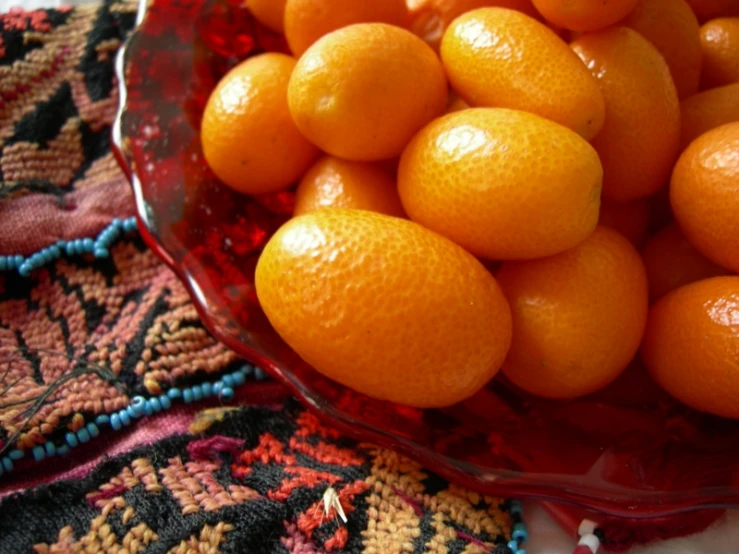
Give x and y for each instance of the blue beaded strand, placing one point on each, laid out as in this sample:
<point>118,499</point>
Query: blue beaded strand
<point>100,247</point>
<point>519,532</point>
<point>71,439</point>
<point>16,454</point>
<point>140,406</point>
<point>38,453</point>
<point>7,464</point>
<point>92,429</point>
<point>83,435</point>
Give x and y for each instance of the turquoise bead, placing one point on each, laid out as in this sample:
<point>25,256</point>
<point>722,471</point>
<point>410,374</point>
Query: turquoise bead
<point>520,533</point>
<point>87,245</point>
<point>239,378</point>
<point>136,406</point>
<point>7,464</point>
<point>259,374</point>
<point>187,395</point>
<point>134,413</point>
<point>115,422</point>
<point>71,439</point>
<point>83,435</point>
<point>227,393</point>
<point>165,402</point>
<point>63,450</point>
<point>207,389</point>
<point>102,419</point>
<point>197,392</point>
<point>50,448</point>
<point>129,225</point>
<point>515,508</point>
<point>71,250</point>
<point>125,418</point>
<point>38,453</point>
<point>521,552</point>
<point>174,393</point>
<point>228,380</point>
<point>101,252</point>
<point>3,263</point>
<point>513,546</point>
<point>115,223</point>
<point>16,454</point>
<point>54,251</point>
<point>17,260</point>
<point>148,408</point>
<point>155,404</point>
<point>92,429</point>
<point>217,387</point>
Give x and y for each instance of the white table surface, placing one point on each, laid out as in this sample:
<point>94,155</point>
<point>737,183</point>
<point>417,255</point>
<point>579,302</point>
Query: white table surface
<point>546,536</point>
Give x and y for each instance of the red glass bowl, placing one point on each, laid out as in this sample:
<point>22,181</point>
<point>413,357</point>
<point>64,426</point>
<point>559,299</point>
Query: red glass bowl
<point>628,451</point>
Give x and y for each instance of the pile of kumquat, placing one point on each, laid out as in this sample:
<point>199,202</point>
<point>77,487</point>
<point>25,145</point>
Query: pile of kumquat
<point>548,189</point>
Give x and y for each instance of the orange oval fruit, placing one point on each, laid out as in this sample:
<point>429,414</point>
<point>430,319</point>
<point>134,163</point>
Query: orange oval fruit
<point>578,317</point>
<point>638,143</point>
<point>584,15</point>
<point>337,183</point>
<point>496,57</point>
<point>720,43</point>
<point>671,26</point>
<point>631,219</point>
<point>707,110</point>
<point>672,262</point>
<point>691,345</point>
<point>270,13</point>
<point>704,194</point>
<point>504,184</point>
<point>384,306</point>
<point>308,20</point>
<point>710,9</point>
<point>362,92</point>
<point>430,18</point>
<point>248,136</point>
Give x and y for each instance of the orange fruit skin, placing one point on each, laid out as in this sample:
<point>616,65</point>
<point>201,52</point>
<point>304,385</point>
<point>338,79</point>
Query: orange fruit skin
<point>384,306</point>
<point>691,345</point>
<point>496,57</point>
<point>638,143</point>
<point>249,139</point>
<point>672,262</point>
<point>308,20</point>
<point>631,219</point>
<point>710,9</point>
<point>720,43</point>
<point>671,26</point>
<point>578,317</point>
<point>430,18</point>
<point>362,92</point>
<point>707,110</point>
<point>336,183</point>
<point>584,15</point>
<point>504,184</point>
<point>704,194</point>
<point>270,13</point>
<point>456,105</point>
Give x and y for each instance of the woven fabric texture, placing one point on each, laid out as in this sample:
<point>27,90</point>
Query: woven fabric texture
<point>58,97</point>
<point>254,480</point>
